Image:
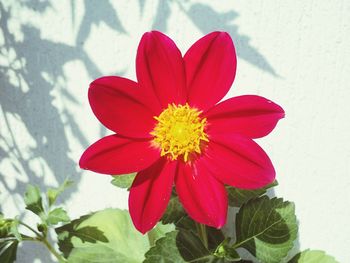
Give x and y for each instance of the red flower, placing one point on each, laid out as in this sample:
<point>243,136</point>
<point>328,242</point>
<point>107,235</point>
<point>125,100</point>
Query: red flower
<point>170,129</point>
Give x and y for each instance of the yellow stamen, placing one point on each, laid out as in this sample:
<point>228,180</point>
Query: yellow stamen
<point>179,131</point>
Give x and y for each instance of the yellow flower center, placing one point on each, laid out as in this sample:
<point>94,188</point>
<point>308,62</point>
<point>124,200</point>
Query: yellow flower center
<point>179,131</point>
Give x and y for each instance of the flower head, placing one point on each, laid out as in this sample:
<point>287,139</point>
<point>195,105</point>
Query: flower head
<point>171,129</point>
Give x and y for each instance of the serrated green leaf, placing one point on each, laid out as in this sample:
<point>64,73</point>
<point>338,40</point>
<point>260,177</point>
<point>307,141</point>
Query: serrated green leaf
<point>313,256</point>
<point>8,251</point>
<point>159,232</point>
<point>32,199</point>
<point>267,228</point>
<point>58,215</point>
<point>238,197</point>
<point>106,236</point>
<point>123,181</point>
<point>53,193</point>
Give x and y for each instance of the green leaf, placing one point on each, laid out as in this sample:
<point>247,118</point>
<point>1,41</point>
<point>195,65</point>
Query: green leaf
<point>238,197</point>
<point>313,256</point>
<point>14,229</point>
<point>53,193</point>
<point>178,246</point>
<point>159,232</point>
<point>227,252</point>
<point>266,228</point>
<point>184,245</point>
<point>58,215</point>
<point>8,251</point>
<point>32,199</point>
<point>174,211</point>
<point>106,236</point>
<point>5,226</point>
<point>123,181</point>
<point>215,236</point>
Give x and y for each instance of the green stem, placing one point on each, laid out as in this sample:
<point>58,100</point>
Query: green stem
<point>30,228</point>
<point>41,238</point>
<point>152,237</point>
<point>53,251</point>
<point>202,233</point>
<point>4,239</point>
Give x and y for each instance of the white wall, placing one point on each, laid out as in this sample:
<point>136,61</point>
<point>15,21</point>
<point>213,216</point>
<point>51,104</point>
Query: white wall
<point>295,52</point>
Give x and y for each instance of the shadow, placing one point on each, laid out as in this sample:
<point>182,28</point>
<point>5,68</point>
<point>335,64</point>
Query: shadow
<point>162,14</point>
<point>97,12</point>
<point>27,83</point>
<point>142,5</point>
<point>33,134</point>
<point>208,20</point>
<point>33,251</point>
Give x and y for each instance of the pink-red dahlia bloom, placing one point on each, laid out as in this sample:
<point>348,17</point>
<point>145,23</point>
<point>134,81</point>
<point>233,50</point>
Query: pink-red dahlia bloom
<point>170,129</point>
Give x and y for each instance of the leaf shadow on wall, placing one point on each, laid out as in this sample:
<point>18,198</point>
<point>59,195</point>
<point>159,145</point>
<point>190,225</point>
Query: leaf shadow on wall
<point>34,138</point>
<point>206,19</point>
<point>97,12</point>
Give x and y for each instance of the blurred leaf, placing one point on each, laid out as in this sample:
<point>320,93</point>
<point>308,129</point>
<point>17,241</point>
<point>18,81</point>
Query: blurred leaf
<point>42,227</point>
<point>53,193</point>
<point>32,199</point>
<point>237,197</point>
<point>174,211</point>
<point>106,236</point>
<point>313,256</point>
<point>267,228</point>
<point>123,181</point>
<point>5,225</point>
<point>8,251</point>
<point>14,229</point>
<point>58,215</point>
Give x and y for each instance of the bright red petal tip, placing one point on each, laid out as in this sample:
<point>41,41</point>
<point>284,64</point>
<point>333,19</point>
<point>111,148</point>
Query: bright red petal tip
<point>150,194</point>
<point>238,161</point>
<point>160,70</point>
<point>248,115</point>
<point>118,104</point>
<point>203,197</point>
<point>210,65</point>
<point>118,155</point>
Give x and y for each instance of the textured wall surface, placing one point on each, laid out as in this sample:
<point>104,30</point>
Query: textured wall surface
<point>295,52</point>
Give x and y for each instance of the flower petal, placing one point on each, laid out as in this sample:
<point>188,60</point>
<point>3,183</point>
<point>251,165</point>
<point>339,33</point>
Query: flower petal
<point>238,161</point>
<point>249,115</point>
<point>203,197</point>
<point>210,69</point>
<point>160,70</point>
<point>114,155</point>
<point>117,104</point>
<point>150,194</point>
